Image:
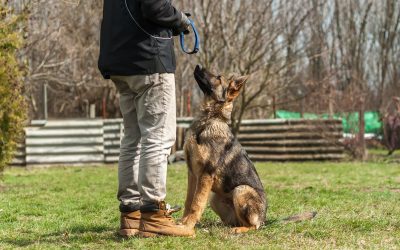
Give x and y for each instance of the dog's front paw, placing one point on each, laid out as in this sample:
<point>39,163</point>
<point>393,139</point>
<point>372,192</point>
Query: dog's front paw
<point>188,221</point>
<point>184,220</point>
<point>240,230</point>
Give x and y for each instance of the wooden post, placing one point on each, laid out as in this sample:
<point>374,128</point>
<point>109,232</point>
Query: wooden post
<point>330,101</point>
<point>104,107</point>
<point>189,112</point>
<point>302,107</point>
<point>45,109</point>
<point>361,131</point>
<point>86,103</point>
<point>92,113</point>
<point>301,95</point>
<point>181,103</point>
<point>274,105</point>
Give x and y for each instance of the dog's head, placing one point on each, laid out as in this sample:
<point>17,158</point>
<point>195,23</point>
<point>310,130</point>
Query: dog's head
<point>217,89</point>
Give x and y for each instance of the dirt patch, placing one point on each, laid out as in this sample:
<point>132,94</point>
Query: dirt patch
<point>368,190</point>
<point>395,190</point>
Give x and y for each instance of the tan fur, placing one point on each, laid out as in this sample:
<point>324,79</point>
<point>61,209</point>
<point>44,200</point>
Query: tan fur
<point>240,230</point>
<point>213,156</point>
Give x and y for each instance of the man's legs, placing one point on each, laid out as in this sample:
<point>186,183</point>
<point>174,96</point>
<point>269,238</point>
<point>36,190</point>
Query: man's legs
<point>149,109</point>
<point>128,165</point>
<point>156,116</point>
<point>157,122</point>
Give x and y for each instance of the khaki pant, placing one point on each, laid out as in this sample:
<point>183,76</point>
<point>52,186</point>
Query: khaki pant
<point>148,107</point>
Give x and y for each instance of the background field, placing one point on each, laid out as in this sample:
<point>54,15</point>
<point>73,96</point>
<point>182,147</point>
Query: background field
<point>357,205</point>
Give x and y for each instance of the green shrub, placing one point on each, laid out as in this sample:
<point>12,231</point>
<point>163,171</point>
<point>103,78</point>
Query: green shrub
<point>12,104</point>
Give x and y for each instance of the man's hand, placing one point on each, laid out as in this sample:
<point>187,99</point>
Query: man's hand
<point>184,25</point>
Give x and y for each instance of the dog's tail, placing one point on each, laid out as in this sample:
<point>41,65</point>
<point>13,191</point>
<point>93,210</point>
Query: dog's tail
<point>293,218</point>
<point>300,217</point>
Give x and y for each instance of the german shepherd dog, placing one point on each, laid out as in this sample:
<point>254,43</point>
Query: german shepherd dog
<point>218,164</point>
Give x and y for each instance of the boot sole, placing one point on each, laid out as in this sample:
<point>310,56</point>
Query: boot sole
<point>128,232</point>
<point>144,234</point>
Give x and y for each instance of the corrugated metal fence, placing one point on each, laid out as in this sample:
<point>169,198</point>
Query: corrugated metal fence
<point>98,141</point>
<point>69,141</point>
<point>113,132</point>
<point>292,140</point>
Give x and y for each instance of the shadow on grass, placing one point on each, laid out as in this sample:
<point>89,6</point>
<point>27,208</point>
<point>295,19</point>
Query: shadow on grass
<point>91,233</point>
<point>271,221</point>
<point>78,233</point>
<point>210,223</point>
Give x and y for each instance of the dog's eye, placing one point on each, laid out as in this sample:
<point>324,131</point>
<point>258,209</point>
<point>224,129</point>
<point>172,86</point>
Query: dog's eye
<point>218,77</point>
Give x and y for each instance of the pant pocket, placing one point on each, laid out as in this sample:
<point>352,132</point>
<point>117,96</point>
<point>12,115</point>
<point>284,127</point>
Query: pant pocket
<point>154,100</point>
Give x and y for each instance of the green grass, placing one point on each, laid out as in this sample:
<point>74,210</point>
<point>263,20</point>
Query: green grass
<point>358,206</point>
<point>383,153</point>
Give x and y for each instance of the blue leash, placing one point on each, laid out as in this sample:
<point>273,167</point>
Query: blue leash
<point>182,36</point>
<point>196,41</point>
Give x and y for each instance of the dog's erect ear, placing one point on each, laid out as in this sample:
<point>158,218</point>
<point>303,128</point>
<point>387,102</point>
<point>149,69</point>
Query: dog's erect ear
<point>235,86</point>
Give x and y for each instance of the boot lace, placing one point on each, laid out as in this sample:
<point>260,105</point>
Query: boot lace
<point>169,211</point>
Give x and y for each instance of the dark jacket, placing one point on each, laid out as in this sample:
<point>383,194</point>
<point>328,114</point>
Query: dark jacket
<point>125,49</point>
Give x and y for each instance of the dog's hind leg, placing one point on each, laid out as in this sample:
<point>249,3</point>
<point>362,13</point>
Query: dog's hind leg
<point>249,208</point>
<point>225,209</point>
<point>190,192</point>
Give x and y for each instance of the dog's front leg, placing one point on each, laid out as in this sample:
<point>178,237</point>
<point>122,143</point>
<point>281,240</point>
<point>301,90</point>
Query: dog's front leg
<point>199,202</point>
<point>190,192</point>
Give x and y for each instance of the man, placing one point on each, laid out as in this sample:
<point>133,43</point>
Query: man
<point>137,54</point>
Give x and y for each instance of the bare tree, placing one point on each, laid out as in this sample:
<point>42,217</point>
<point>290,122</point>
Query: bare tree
<point>249,38</point>
<point>62,52</point>
<point>308,55</point>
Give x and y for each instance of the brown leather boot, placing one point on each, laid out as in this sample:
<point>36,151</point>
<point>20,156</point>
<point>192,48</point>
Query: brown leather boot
<point>130,224</point>
<point>156,220</point>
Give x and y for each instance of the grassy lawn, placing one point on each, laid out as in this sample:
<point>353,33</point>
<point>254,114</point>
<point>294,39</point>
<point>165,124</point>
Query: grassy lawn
<point>358,206</point>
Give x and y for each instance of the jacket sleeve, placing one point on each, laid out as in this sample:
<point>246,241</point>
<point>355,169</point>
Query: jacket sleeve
<point>161,12</point>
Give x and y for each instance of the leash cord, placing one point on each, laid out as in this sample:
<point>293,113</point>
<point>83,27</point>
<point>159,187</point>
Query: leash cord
<point>140,27</point>
<point>182,36</point>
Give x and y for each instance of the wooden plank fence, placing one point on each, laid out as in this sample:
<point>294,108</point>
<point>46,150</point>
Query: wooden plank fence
<point>98,141</point>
